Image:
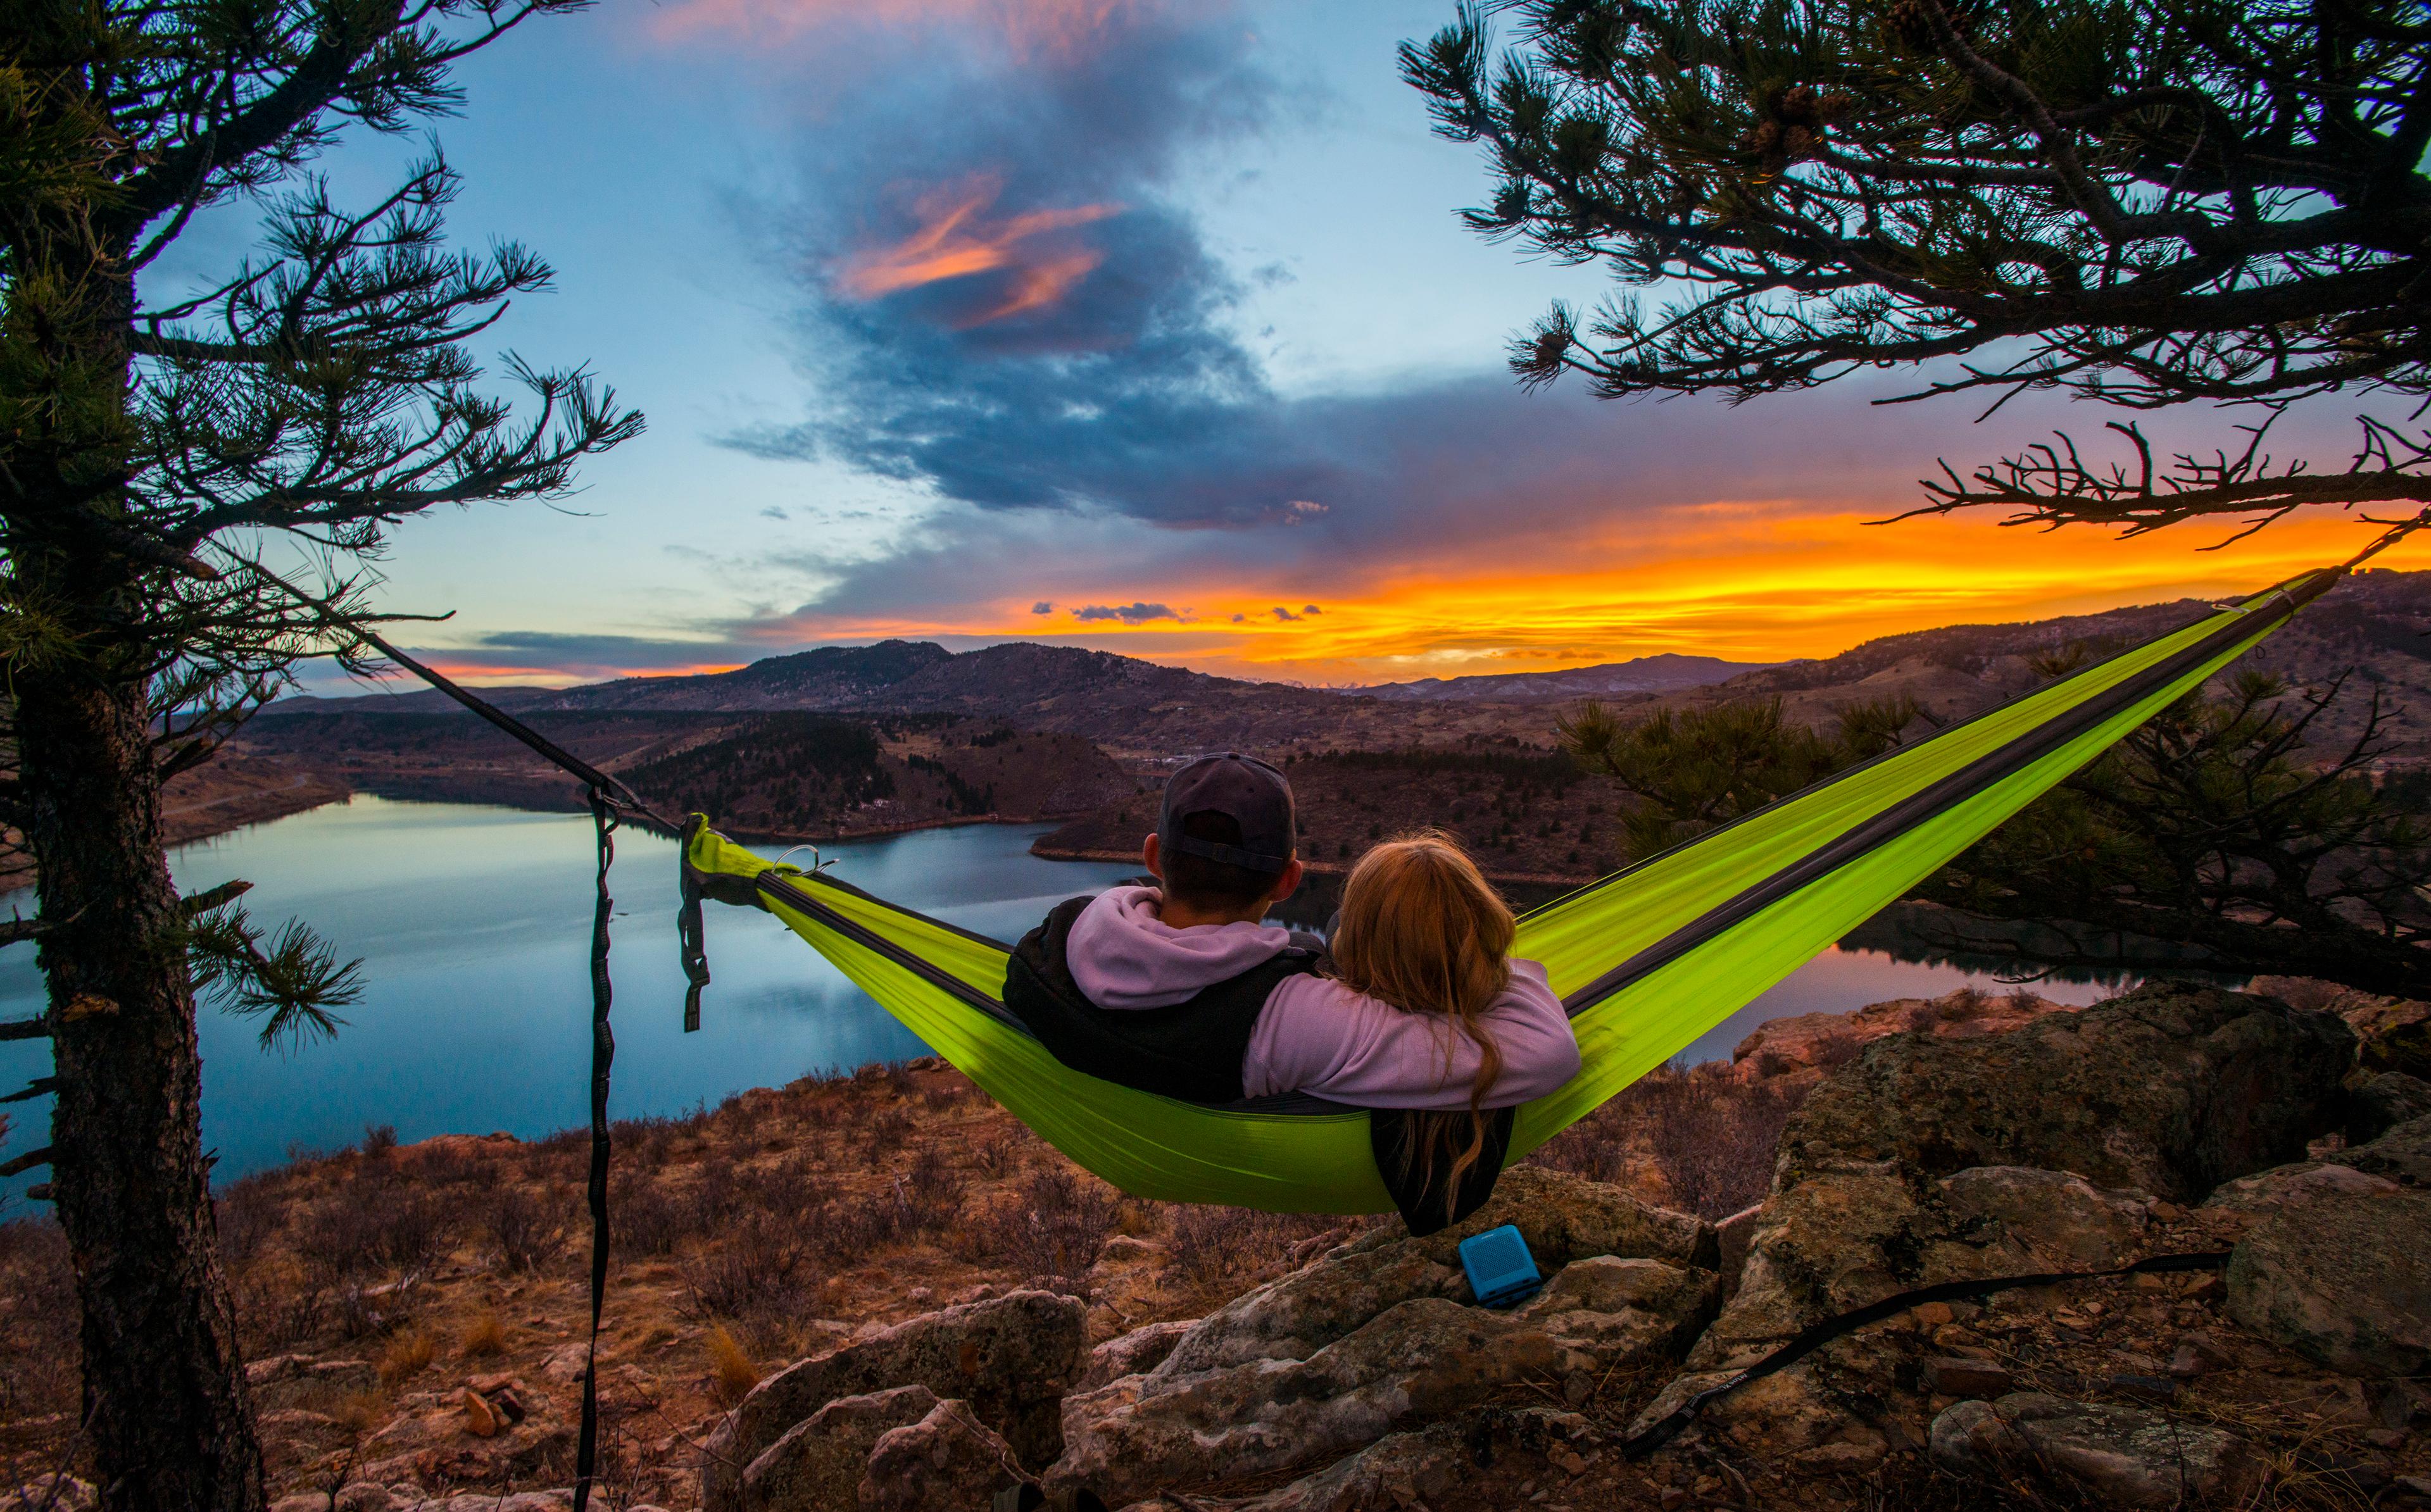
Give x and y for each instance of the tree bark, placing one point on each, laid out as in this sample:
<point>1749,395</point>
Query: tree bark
<point>166,1409</point>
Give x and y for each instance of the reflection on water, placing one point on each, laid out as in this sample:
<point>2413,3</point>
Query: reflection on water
<point>474,927</point>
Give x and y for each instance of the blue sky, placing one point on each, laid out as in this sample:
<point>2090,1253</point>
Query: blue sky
<point>1124,324</point>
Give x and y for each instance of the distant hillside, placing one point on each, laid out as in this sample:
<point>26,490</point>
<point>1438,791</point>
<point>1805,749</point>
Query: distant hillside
<point>785,775</point>
<point>1665,673</point>
<point>1147,714</point>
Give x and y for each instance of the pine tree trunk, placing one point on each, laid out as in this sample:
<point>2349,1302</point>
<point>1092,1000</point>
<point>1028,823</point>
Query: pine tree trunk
<point>164,1391</point>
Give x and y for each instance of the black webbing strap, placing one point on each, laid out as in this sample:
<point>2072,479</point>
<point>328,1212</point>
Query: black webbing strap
<point>603,1055</point>
<point>608,797</point>
<point>1663,1430</point>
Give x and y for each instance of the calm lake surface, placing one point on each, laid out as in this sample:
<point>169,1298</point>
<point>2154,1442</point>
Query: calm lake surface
<point>473,923</point>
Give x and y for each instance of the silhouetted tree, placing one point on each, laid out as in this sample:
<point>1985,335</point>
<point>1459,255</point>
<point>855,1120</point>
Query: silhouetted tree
<point>2143,202</point>
<point>154,442</point>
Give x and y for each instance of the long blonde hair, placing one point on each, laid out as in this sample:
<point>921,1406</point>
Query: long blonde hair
<point>1423,930</point>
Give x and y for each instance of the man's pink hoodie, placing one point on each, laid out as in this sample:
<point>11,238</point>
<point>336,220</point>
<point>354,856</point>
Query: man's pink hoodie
<point>1315,1035</point>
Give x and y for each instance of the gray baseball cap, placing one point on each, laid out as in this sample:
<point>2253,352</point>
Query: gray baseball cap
<point>1256,796</point>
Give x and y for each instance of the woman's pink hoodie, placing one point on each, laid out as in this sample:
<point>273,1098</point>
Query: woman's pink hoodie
<point>1315,1035</point>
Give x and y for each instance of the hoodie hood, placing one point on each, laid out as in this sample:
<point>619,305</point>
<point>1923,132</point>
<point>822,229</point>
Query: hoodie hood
<point>1123,955</point>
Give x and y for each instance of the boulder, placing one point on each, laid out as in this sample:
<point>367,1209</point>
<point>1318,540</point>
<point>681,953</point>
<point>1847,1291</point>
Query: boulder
<point>1848,1236</point>
<point>2402,1154</point>
<point>2377,1104</point>
<point>2117,1456</point>
<point>1011,1358</point>
<point>2170,1089</point>
<point>1132,1353</point>
<point>1335,1357</point>
<point>946,1462</point>
<point>817,1466</point>
<point>2340,1271</point>
<point>1563,1217</point>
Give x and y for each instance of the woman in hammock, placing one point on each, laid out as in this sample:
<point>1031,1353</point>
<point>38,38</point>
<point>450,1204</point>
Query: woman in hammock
<point>1183,989</point>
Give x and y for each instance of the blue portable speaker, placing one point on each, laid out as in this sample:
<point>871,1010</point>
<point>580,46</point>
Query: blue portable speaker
<point>1502,1272</point>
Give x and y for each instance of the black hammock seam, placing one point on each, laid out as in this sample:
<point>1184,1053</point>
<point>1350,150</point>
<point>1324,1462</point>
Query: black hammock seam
<point>1930,802</point>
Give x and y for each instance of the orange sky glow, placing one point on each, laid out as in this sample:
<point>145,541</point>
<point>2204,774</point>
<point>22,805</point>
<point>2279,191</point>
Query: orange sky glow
<point>1742,583</point>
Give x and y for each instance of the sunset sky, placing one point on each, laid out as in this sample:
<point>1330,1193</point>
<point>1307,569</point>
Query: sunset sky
<point>1147,326</point>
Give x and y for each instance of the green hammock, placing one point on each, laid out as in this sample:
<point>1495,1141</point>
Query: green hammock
<point>1647,960</point>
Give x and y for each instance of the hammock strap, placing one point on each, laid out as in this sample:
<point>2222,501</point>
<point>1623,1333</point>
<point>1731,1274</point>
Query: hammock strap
<point>603,1055</point>
<point>607,799</point>
<point>1663,1430</point>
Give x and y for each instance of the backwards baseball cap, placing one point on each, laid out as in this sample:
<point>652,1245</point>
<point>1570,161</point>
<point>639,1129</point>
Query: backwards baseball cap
<point>1245,789</point>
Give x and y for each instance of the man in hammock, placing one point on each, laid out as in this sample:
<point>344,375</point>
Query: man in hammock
<point>1183,990</point>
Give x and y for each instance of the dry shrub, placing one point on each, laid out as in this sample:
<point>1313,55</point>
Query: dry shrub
<point>521,1232</point>
<point>885,1133</point>
<point>1713,1138</point>
<point>790,1188</point>
<point>379,1140</point>
<point>645,1218</point>
<point>1000,1157</point>
<point>453,1166</point>
<point>409,1352</point>
<point>246,1215</point>
<point>485,1336</point>
<point>1058,1226</point>
<point>364,1227</point>
<point>932,1193</point>
<point>1597,1147</point>
<point>760,1278</point>
<point>732,1372</point>
<point>37,1320</point>
<point>646,1138</point>
<point>339,1237</point>
<point>900,1079</point>
<point>1205,1245</point>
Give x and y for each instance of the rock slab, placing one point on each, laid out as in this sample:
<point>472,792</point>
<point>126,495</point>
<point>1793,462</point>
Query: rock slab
<point>2169,1089</point>
<point>2119,1457</point>
<point>1011,1358</point>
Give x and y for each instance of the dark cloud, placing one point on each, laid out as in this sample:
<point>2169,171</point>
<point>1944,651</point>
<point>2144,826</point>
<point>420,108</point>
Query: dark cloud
<point>1310,608</point>
<point>1283,614</point>
<point>774,511</point>
<point>1042,606</point>
<point>1127,613</point>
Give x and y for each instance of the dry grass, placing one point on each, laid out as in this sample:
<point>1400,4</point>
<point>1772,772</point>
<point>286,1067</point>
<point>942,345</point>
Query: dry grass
<point>484,1337</point>
<point>407,1354</point>
<point>732,1372</point>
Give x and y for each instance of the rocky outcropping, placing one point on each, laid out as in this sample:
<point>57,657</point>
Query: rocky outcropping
<point>1008,1360</point>
<point>2057,1148</point>
<point>2169,1090</point>
<point>2170,1122</point>
<point>1384,1330</point>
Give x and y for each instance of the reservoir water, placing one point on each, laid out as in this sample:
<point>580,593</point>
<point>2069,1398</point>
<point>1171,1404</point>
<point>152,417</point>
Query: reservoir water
<point>473,923</point>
